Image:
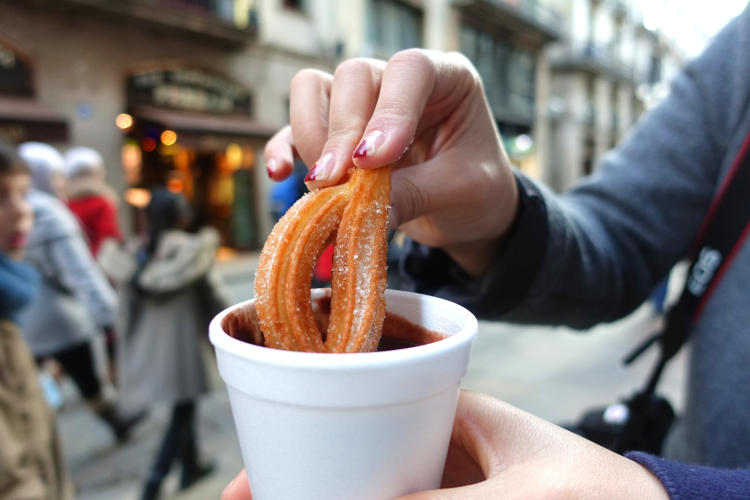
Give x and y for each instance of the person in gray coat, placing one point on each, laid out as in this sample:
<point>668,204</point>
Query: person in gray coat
<point>75,302</point>
<point>169,293</point>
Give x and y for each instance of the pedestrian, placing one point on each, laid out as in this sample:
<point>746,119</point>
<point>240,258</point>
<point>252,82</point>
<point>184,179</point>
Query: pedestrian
<point>31,461</point>
<point>170,292</point>
<point>95,205</point>
<point>485,236</point>
<point>75,302</point>
<point>90,198</point>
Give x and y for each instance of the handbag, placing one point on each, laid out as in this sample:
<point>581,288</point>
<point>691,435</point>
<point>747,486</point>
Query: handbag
<point>641,423</point>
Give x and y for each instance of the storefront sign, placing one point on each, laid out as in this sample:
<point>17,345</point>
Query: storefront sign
<point>17,131</point>
<point>190,90</point>
<point>15,73</point>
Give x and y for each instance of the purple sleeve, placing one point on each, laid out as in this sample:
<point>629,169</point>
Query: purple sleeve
<point>693,482</point>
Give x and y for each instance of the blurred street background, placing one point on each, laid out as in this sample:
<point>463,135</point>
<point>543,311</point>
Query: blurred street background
<point>554,373</point>
<point>184,94</point>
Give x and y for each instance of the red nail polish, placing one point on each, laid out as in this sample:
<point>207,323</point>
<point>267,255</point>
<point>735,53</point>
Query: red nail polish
<point>370,144</point>
<point>311,174</point>
<point>270,172</point>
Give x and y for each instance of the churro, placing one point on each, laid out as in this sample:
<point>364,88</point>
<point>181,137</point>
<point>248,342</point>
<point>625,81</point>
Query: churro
<point>354,216</point>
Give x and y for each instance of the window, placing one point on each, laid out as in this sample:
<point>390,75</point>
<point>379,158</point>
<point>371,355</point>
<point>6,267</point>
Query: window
<point>393,26</point>
<point>300,5</point>
<point>508,73</point>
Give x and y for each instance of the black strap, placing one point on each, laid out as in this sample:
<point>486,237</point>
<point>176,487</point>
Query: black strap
<point>723,232</point>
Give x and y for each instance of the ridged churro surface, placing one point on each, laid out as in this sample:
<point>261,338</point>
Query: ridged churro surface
<point>354,216</point>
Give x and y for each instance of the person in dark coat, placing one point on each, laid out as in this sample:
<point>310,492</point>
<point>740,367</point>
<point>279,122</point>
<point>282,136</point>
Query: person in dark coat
<point>169,291</point>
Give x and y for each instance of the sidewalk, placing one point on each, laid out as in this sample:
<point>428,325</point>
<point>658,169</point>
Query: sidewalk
<point>552,372</point>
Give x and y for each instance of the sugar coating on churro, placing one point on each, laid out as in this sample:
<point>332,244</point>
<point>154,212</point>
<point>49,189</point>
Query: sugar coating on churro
<point>354,216</point>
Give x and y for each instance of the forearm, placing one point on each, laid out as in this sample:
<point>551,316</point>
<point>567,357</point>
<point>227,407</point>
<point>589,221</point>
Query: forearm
<point>618,233</point>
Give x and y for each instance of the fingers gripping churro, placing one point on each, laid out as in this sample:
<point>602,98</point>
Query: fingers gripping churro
<point>354,215</point>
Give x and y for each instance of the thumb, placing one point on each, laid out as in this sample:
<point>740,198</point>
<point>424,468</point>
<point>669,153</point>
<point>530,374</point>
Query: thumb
<point>475,443</point>
<point>238,489</point>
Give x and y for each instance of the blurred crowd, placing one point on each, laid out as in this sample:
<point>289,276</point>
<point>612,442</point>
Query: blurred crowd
<point>69,283</point>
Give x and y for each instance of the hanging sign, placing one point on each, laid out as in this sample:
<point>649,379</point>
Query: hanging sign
<point>188,89</point>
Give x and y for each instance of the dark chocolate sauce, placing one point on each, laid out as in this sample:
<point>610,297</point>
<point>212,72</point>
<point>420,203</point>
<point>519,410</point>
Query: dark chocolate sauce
<point>398,332</point>
<point>392,344</point>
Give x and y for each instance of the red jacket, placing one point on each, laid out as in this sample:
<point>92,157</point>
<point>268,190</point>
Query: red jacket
<point>98,217</point>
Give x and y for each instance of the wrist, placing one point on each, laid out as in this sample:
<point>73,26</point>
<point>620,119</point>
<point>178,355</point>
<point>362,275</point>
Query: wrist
<point>653,489</point>
<point>475,257</point>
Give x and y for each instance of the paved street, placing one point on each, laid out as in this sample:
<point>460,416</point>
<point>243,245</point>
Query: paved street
<point>552,372</point>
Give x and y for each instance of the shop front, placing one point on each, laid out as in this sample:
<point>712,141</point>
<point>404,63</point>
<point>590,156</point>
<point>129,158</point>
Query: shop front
<point>22,117</point>
<point>191,131</point>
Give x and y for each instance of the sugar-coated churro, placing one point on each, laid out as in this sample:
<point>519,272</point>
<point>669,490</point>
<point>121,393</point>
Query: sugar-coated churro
<point>354,215</point>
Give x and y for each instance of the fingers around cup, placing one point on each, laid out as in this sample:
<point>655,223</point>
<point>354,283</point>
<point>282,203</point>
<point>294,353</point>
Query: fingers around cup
<point>354,93</point>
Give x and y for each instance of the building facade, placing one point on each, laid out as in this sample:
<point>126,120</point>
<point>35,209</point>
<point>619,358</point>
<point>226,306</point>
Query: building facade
<point>613,61</point>
<point>184,93</point>
<point>180,93</point>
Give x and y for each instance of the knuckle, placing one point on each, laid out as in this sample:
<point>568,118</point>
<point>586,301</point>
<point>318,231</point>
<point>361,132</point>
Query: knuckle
<point>464,65</point>
<point>398,111</point>
<point>414,200</point>
<point>418,58</point>
<point>356,66</point>
<point>308,76</point>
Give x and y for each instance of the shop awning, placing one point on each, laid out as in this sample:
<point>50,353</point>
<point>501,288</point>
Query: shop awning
<point>23,119</point>
<point>182,122</point>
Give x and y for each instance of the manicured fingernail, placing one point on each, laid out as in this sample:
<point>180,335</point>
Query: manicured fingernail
<point>323,168</point>
<point>370,144</point>
<point>271,167</point>
<point>312,173</point>
<point>392,217</point>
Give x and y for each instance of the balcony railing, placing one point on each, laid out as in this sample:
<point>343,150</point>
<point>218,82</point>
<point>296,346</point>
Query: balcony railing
<point>222,21</point>
<point>595,59</point>
<point>222,10</point>
<point>536,11</point>
<point>524,19</point>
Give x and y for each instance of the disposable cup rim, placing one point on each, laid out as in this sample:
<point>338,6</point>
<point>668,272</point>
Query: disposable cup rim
<point>352,361</point>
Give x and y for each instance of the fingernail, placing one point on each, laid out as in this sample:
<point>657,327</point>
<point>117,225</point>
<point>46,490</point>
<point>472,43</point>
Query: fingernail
<point>392,217</point>
<point>312,173</point>
<point>322,169</point>
<point>271,167</point>
<point>229,487</point>
<point>370,144</point>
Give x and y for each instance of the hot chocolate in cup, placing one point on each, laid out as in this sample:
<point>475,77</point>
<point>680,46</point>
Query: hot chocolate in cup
<point>365,426</point>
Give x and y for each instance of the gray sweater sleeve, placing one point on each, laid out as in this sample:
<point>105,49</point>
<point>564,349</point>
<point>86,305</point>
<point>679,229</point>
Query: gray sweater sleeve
<point>615,235</point>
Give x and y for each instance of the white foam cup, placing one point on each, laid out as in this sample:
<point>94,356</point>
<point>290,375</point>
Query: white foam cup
<point>366,426</point>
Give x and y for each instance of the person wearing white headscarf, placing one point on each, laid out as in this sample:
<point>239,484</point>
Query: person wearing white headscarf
<point>75,301</point>
<point>90,198</point>
<point>47,167</point>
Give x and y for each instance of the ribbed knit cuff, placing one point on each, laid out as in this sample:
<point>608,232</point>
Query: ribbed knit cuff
<point>693,482</point>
